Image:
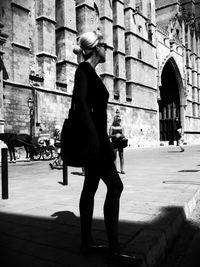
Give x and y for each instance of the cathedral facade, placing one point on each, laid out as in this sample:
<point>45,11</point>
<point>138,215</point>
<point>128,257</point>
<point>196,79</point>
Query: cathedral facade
<point>152,68</point>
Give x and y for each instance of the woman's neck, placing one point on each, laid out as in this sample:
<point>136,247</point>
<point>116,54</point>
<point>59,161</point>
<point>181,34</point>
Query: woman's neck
<point>93,61</point>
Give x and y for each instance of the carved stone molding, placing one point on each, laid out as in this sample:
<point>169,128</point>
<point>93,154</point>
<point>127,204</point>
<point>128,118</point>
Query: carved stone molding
<point>3,37</point>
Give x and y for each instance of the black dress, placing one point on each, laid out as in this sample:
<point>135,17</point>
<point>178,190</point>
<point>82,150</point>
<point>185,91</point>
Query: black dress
<point>91,98</point>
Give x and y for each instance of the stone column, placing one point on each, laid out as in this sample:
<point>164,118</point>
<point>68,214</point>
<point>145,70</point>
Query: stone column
<point>144,8</point>
<point>194,74</point>
<point>119,51</point>
<point>85,15</point>
<point>106,19</point>
<point>198,72</point>
<point>46,56</point>
<point>65,41</point>
<point>130,25</point>
<point>189,68</point>
<point>3,37</point>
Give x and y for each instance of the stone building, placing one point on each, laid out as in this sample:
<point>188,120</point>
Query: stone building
<point>152,68</point>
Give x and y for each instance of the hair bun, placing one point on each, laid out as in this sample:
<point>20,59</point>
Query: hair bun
<point>77,50</point>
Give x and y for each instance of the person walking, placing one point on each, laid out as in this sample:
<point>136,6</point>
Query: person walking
<point>91,97</point>
<point>116,134</point>
<point>57,163</point>
<point>180,137</point>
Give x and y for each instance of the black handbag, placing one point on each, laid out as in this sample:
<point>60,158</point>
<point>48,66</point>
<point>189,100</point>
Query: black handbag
<point>123,142</point>
<point>73,141</point>
<point>120,142</point>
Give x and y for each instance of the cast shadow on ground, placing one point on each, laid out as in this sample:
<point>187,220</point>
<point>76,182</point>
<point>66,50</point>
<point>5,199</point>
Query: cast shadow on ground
<point>54,242</point>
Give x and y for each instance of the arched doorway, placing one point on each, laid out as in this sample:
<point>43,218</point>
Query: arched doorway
<point>169,104</point>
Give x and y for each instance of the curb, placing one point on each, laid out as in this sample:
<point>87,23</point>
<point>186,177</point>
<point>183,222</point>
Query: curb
<point>153,242</point>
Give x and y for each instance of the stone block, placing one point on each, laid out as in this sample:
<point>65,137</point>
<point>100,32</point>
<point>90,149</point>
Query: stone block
<point>119,39</point>
<point>48,66</point>
<point>153,247</point>
<point>106,9</point>
<point>107,30</point>
<point>118,13</point>
<point>65,41</point>
<point>20,65</point>
<point>119,66</point>
<point>87,19</point>
<point>144,97</point>
<point>109,83</point>
<point>120,90</point>
<point>46,37</point>
<point>129,3</point>
<point>135,46</point>
<point>46,8</point>
<point>129,20</point>
<point>52,110</point>
<point>134,70</point>
<point>20,26</point>
<point>65,74</point>
<point>66,14</point>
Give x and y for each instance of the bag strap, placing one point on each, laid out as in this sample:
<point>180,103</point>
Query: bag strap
<point>72,103</point>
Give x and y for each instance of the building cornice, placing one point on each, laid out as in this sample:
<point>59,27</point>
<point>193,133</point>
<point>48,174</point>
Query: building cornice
<point>13,4</point>
<point>22,46</point>
<point>65,28</point>
<point>140,37</point>
<point>42,18</point>
<point>45,54</point>
<point>141,61</point>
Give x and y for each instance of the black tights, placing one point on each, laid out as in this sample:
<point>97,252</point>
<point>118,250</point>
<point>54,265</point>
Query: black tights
<point>111,205</point>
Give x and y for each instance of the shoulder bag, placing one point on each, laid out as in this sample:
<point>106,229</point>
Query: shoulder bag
<point>73,141</point>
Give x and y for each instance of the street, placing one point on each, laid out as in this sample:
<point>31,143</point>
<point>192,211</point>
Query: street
<point>186,248</point>
<point>39,222</point>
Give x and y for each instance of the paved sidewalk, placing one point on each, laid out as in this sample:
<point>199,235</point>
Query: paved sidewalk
<point>39,223</point>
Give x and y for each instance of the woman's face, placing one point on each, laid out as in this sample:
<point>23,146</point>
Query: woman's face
<point>102,51</point>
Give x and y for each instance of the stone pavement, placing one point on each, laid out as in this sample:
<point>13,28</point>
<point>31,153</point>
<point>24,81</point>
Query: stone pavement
<point>39,223</point>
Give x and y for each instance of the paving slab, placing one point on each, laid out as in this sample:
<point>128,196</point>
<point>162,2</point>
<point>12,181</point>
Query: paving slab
<point>39,222</point>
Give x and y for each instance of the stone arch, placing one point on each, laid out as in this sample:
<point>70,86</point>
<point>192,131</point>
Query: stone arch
<point>172,61</point>
<point>171,103</point>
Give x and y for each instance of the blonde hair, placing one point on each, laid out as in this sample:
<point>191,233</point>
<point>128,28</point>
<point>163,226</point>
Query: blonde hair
<point>87,42</point>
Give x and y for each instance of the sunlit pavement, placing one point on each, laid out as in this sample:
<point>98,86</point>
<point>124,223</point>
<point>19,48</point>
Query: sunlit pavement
<point>39,222</point>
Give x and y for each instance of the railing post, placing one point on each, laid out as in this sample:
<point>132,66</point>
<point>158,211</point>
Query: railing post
<point>4,172</point>
<point>65,174</point>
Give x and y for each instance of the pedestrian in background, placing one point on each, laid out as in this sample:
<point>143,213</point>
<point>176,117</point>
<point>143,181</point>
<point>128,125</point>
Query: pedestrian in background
<point>91,98</point>
<point>180,137</point>
<point>57,163</point>
<point>116,133</point>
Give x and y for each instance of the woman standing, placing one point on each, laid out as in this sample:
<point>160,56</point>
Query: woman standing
<point>116,134</point>
<point>91,97</point>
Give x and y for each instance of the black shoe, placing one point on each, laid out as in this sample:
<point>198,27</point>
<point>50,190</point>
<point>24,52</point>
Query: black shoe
<point>124,259</point>
<point>93,248</point>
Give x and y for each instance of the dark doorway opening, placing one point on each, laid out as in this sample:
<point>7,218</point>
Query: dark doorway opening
<point>169,104</point>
